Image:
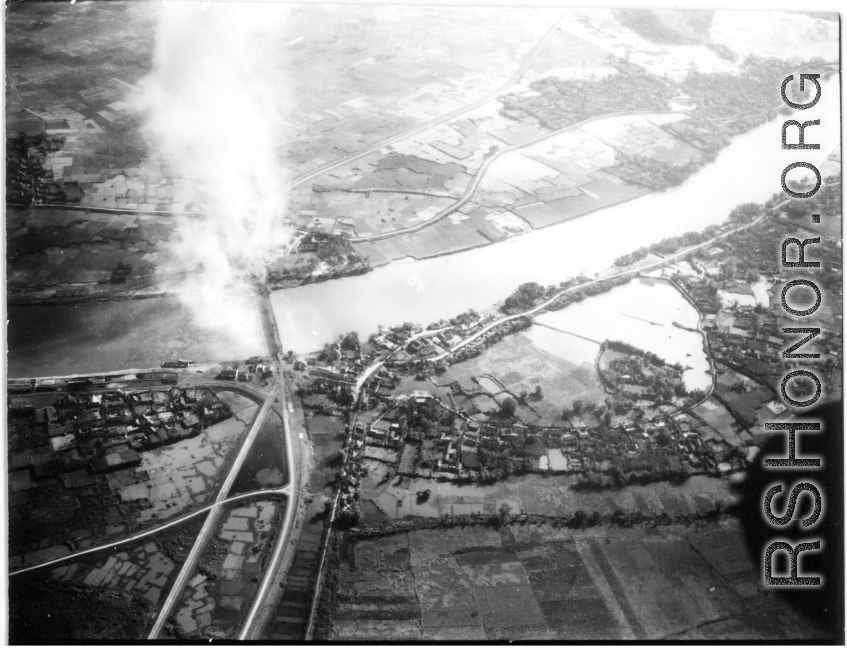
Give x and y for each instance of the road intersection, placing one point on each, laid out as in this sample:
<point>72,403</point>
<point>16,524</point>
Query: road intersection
<point>212,517</point>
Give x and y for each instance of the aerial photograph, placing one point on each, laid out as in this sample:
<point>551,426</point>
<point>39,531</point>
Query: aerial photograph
<point>422,324</point>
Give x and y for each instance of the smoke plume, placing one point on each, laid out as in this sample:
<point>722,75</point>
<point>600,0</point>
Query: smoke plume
<point>213,108</point>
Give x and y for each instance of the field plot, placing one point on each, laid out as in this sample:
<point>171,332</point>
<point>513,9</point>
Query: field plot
<point>456,232</point>
<point>604,191</point>
<point>380,212</point>
<point>533,494</point>
<point>292,614</point>
<point>564,161</point>
<point>560,178</point>
<point>48,247</point>
<point>220,592</point>
<point>108,595</point>
<point>55,340</point>
<point>81,84</point>
<point>186,474</point>
<point>640,134</point>
<point>747,398</point>
<point>357,95</point>
<point>570,57</point>
<point>72,508</point>
<point>534,582</point>
<point>522,365</point>
<point>408,65</point>
<point>720,430</point>
<point>265,466</point>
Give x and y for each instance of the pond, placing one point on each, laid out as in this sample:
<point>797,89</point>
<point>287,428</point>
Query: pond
<point>642,313</point>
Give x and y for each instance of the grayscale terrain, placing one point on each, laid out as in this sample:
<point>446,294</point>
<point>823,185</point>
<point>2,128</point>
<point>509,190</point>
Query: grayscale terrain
<point>384,323</point>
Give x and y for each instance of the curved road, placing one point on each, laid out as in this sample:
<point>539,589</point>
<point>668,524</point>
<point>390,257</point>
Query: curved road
<point>253,624</point>
<point>633,271</point>
<point>281,491</point>
<point>211,518</point>
<point>474,184</point>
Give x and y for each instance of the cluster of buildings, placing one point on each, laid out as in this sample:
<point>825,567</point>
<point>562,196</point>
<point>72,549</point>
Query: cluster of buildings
<point>254,367</point>
<point>414,347</point>
<point>755,341</point>
<point>314,256</point>
<point>337,375</point>
<point>27,181</point>
<point>454,446</point>
<point>106,431</point>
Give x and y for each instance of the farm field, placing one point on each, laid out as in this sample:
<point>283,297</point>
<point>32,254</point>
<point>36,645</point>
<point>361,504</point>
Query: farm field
<point>455,233</point>
<point>186,474</point>
<point>103,595</point>
<point>534,582</point>
<point>54,340</point>
<point>220,592</point>
<point>82,511</point>
<point>562,177</point>
<point>641,134</point>
<point>568,57</point>
<point>87,89</point>
<point>48,247</point>
<point>292,613</point>
<point>604,191</point>
<point>265,466</point>
<point>520,364</point>
<point>533,494</point>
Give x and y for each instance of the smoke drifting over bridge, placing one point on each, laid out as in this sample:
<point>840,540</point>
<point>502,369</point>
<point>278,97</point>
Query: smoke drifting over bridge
<point>212,108</point>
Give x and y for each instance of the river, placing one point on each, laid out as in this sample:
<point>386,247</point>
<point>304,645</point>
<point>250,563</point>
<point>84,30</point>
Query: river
<point>748,170</point>
<point>56,340</point>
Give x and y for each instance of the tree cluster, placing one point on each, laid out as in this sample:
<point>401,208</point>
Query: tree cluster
<point>560,102</point>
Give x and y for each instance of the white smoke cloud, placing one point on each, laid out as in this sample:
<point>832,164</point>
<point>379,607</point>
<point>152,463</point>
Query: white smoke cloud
<point>213,107</point>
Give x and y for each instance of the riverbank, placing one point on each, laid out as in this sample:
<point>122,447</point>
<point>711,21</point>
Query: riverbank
<point>446,253</point>
<point>436,288</point>
<point>119,335</point>
<point>16,300</point>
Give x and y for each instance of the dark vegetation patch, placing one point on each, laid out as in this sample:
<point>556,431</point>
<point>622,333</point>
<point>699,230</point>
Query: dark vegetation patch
<point>175,542</point>
<point>265,466</point>
<point>439,173</point>
<point>563,102</point>
<point>581,619</point>
<point>48,613</point>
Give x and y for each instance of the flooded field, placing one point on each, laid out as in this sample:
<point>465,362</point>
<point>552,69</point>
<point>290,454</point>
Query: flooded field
<point>563,367</point>
<point>186,475</point>
<point>536,582</point>
<point>110,594</point>
<point>265,466</point>
<point>641,313</point>
<point>219,594</point>
<point>77,339</point>
<point>52,517</point>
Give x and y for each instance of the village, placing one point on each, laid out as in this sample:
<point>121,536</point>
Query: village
<point>314,256</point>
<point>75,456</point>
<point>29,178</point>
<point>415,420</point>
